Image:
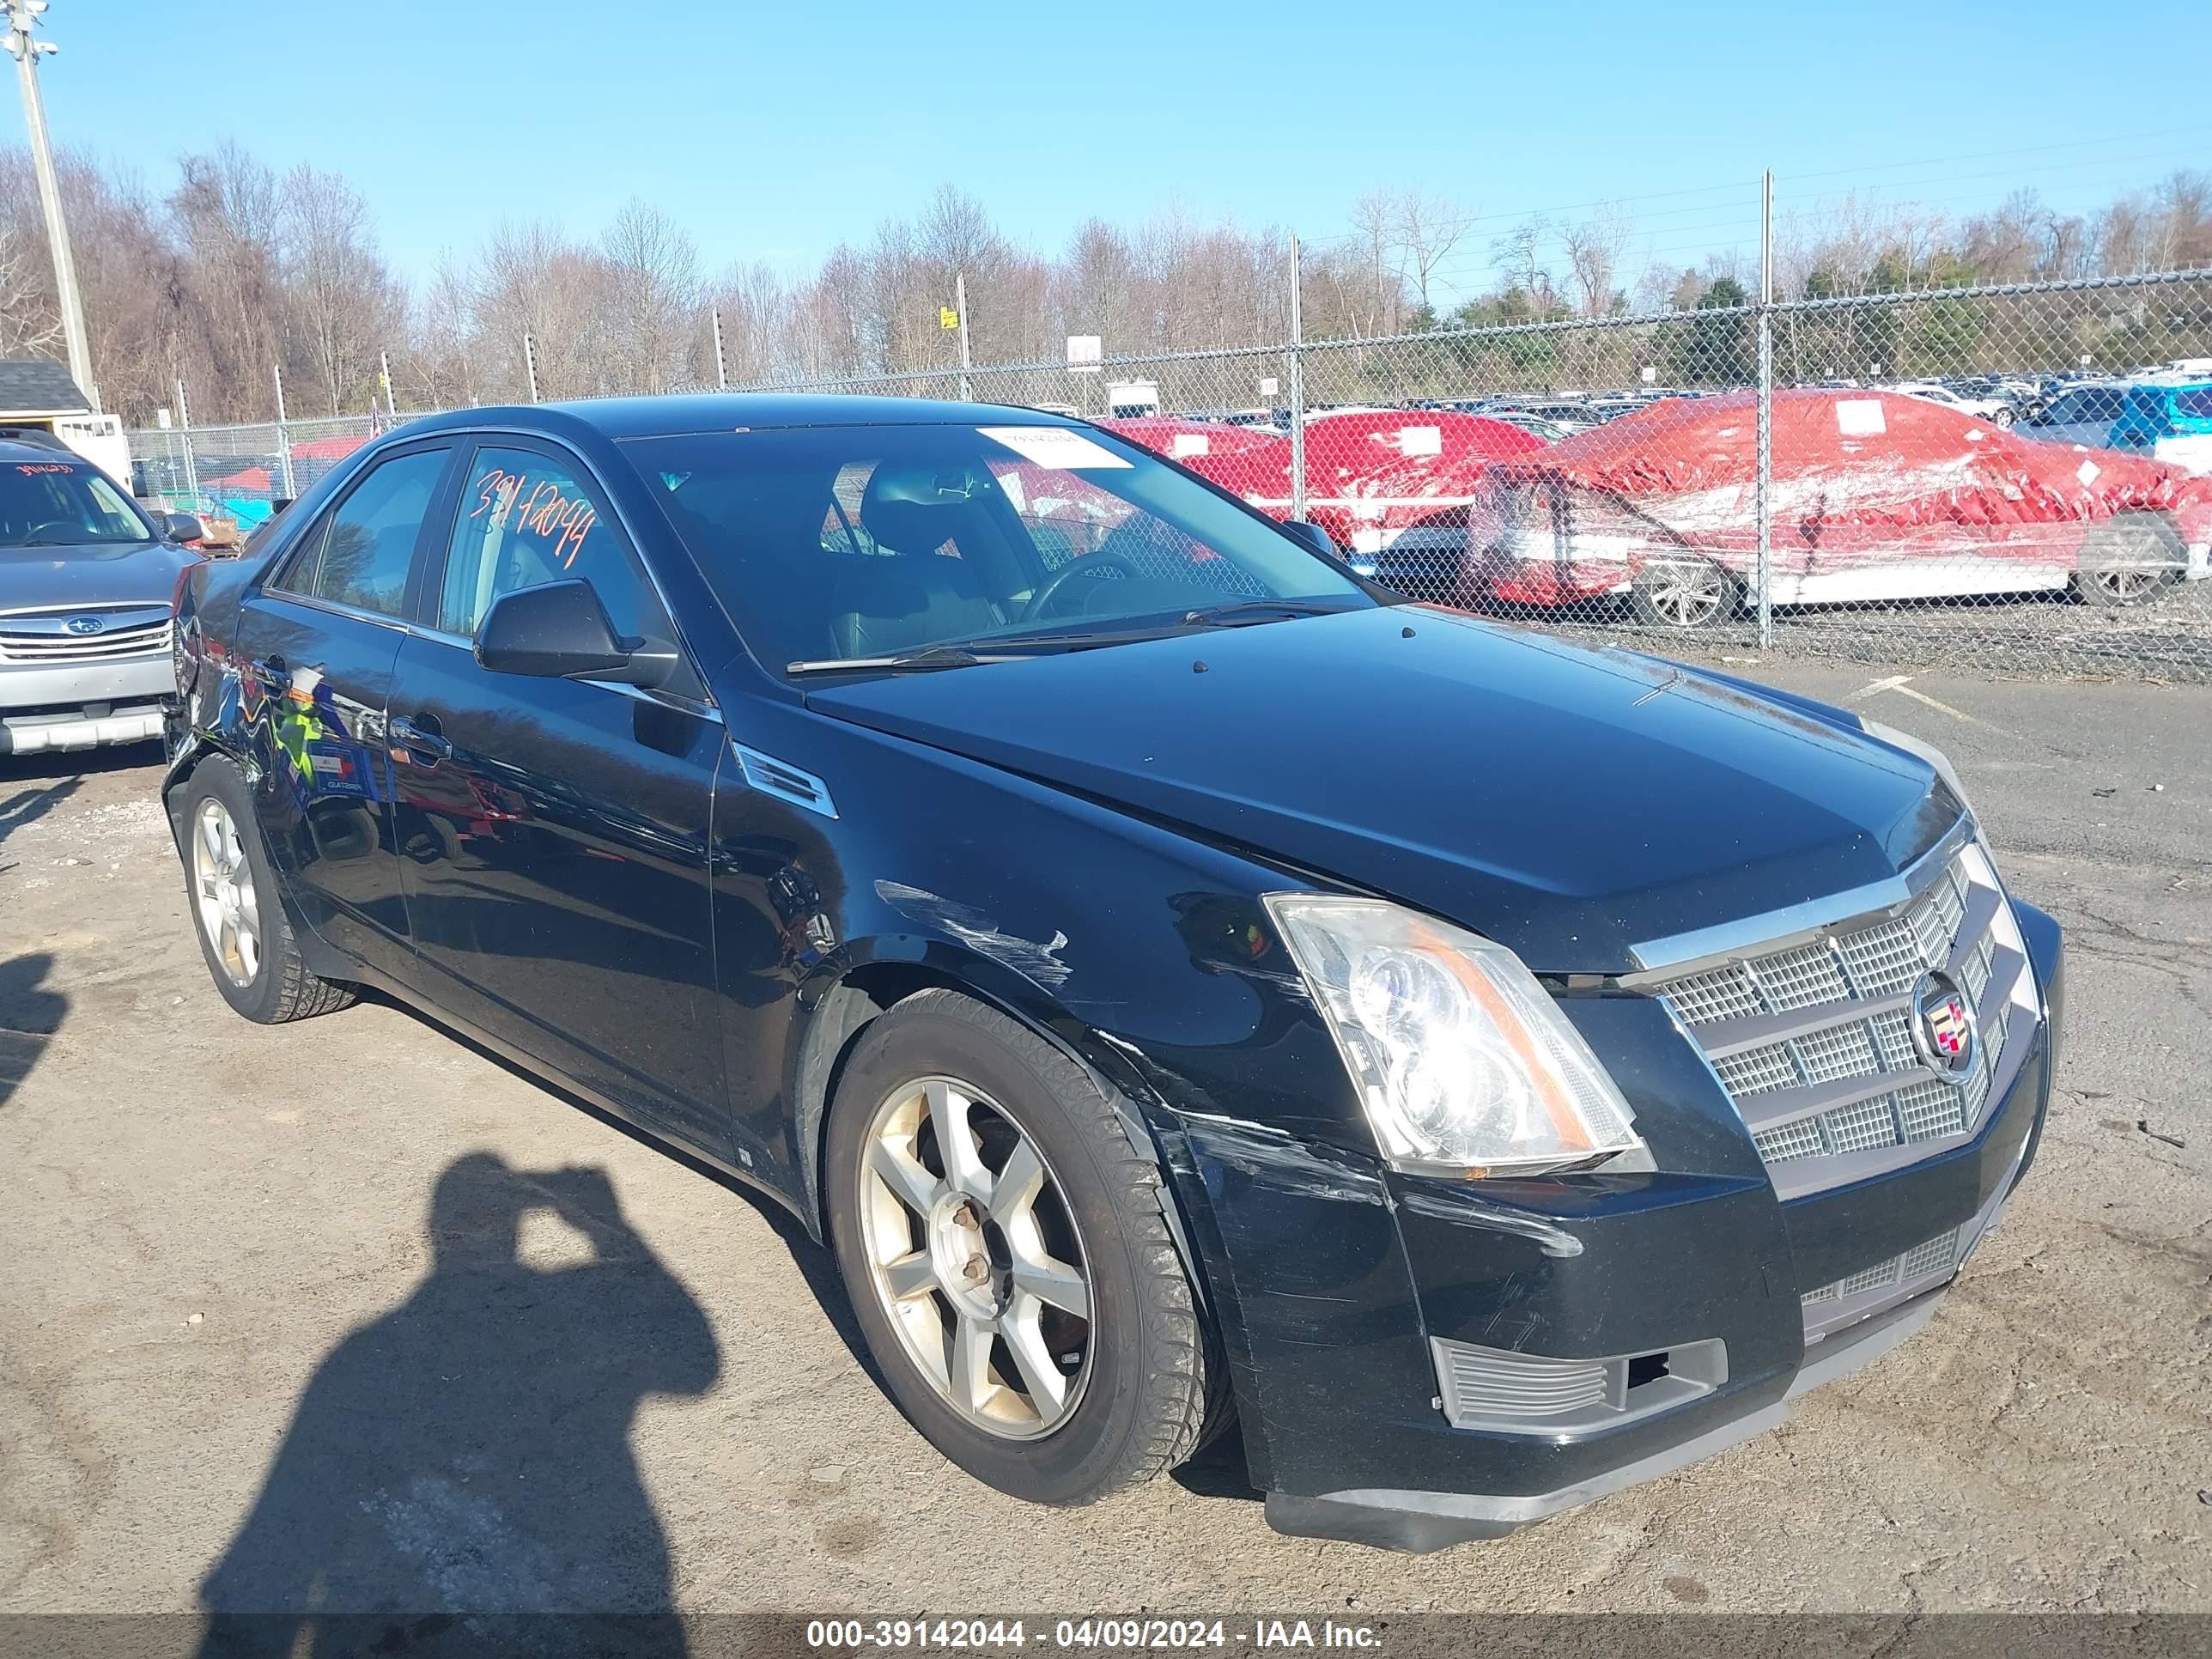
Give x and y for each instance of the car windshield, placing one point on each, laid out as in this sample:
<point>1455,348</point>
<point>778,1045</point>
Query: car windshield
<point>59,503</point>
<point>828,545</point>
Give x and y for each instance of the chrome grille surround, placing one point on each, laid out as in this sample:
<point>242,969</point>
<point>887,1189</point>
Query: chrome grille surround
<point>1809,1028</point>
<point>44,639</point>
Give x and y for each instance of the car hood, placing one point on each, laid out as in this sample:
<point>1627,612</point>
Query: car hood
<point>93,574</point>
<point>1568,802</point>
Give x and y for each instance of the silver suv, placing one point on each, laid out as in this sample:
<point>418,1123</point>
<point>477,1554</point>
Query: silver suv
<point>86,582</point>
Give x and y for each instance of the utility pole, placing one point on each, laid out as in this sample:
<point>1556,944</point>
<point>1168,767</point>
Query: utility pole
<point>384,373</point>
<point>721,363</point>
<point>960,304</point>
<point>530,362</point>
<point>22,18</point>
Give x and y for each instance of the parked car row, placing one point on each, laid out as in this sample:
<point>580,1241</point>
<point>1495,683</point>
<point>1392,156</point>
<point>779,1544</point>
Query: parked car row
<point>1877,495</point>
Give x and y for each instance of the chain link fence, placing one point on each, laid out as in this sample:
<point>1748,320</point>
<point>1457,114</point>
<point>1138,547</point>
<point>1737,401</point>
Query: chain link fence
<point>2013,479</point>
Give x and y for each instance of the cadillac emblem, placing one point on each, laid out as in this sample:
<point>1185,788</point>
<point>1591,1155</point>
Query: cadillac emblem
<point>1943,1026</point>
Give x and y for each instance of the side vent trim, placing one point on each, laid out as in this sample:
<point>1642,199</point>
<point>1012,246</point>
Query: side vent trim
<point>784,780</point>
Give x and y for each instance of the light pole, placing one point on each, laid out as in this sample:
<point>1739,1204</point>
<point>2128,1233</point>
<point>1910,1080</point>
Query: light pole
<point>22,18</point>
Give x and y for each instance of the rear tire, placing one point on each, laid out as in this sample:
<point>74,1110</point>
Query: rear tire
<point>1681,594</point>
<point>1010,1382</point>
<point>2131,560</point>
<point>238,911</point>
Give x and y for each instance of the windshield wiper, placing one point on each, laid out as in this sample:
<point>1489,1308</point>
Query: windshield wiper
<point>1242,611</point>
<point>898,662</point>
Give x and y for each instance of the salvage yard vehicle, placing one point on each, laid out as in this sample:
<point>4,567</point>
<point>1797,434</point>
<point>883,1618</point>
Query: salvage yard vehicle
<point>2168,417</point>
<point>86,582</point>
<point>1876,496</point>
<point>1160,1044</point>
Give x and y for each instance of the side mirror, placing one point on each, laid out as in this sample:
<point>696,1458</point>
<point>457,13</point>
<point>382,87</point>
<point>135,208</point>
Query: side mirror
<point>560,630</point>
<point>184,526</point>
<point>1315,536</point>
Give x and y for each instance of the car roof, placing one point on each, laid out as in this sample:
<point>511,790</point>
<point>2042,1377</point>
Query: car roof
<point>619,418</point>
<point>28,449</point>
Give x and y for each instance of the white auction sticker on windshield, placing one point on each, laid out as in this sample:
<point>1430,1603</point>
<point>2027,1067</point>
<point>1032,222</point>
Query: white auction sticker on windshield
<point>1057,447</point>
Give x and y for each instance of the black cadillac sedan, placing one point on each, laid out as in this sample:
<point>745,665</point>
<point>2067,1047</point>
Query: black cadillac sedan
<point>1186,986</point>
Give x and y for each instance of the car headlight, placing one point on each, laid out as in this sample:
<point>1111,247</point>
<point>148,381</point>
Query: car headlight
<point>1464,1063</point>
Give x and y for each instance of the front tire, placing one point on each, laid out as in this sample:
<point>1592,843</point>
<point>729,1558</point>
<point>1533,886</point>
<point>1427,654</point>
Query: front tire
<point>237,911</point>
<point>1008,1258</point>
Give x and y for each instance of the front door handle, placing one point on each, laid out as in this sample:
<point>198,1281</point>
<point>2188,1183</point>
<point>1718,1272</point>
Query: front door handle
<point>424,744</point>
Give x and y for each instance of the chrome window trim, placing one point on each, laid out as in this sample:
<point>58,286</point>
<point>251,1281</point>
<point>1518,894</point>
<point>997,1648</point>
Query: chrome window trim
<point>1680,954</point>
<point>336,608</point>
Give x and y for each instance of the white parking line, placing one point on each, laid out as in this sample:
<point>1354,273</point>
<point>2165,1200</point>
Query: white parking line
<point>1899,684</point>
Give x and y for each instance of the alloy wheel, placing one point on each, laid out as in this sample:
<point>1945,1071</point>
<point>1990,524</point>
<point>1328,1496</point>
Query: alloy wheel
<point>2130,584</point>
<point>1686,594</point>
<point>223,887</point>
<point>974,1257</point>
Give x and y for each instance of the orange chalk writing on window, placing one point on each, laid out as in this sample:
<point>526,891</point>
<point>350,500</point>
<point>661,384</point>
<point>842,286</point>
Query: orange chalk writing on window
<point>538,509</point>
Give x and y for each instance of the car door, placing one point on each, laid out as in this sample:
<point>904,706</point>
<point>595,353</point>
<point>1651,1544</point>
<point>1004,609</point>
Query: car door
<point>554,833</point>
<point>315,645</point>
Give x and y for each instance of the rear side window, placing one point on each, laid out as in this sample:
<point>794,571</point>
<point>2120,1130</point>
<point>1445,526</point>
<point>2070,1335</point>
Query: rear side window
<point>367,546</point>
<point>2195,404</point>
<point>525,519</point>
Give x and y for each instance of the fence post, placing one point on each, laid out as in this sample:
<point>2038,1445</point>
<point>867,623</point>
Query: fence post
<point>1297,379</point>
<point>283,437</point>
<point>1766,504</point>
<point>184,420</point>
<point>960,304</point>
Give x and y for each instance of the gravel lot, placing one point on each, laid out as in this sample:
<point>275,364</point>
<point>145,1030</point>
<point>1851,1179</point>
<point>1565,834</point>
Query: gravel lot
<point>203,1211</point>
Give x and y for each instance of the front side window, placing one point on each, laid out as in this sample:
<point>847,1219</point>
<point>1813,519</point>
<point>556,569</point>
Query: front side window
<point>365,550</point>
<point>525,520</point>
<point>859,541</point>
<point>58,503</point>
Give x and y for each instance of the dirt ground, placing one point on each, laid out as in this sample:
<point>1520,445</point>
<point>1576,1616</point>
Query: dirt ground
<point>205,1217</point>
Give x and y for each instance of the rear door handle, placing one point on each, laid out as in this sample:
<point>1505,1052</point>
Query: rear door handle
<point>423,741</point>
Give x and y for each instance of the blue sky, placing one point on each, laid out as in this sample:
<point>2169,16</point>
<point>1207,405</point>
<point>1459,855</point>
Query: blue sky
<point>773,130</point>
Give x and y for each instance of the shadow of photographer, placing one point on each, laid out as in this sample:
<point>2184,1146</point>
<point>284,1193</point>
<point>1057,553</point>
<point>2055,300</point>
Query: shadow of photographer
<point>465,1457</point>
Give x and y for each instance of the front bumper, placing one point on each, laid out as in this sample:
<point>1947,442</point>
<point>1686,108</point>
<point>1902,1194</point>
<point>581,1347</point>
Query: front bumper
<point>84,705</point>
<point>1339,1287</point>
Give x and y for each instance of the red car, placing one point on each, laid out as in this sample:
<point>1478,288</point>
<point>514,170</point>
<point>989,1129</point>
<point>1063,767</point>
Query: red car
<point>1875,496</point>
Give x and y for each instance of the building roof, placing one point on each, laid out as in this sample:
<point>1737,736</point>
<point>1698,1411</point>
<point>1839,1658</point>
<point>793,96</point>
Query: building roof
<point>39,386</point>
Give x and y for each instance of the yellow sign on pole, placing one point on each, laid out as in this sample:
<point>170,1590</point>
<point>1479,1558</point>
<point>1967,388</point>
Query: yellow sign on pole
<point>947,317</point>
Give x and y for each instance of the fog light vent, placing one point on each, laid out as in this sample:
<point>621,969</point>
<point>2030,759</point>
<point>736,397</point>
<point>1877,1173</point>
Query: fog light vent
<point>1504,1392</point>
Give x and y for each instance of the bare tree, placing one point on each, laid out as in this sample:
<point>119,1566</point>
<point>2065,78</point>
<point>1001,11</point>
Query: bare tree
<point>653,290</point>
<point>1593,248</point>
<point>1429,228</point>
<point>346,303</point>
